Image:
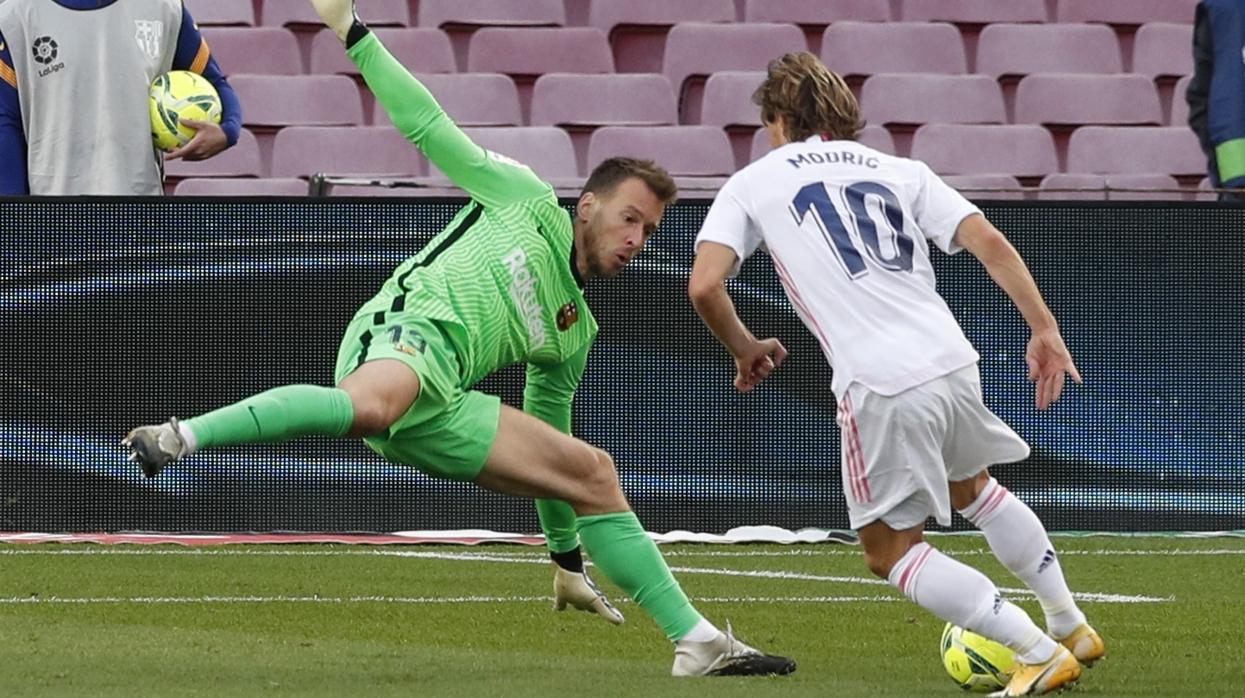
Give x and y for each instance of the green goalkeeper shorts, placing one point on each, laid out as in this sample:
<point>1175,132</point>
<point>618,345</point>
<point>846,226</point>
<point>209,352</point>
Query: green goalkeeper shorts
<point>448,431</point>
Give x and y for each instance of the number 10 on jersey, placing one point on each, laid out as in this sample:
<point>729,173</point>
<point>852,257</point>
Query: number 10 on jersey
<point>815,198</point>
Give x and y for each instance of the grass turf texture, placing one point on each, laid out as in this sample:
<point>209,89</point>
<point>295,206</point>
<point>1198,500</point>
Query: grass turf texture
<point>228,647</point>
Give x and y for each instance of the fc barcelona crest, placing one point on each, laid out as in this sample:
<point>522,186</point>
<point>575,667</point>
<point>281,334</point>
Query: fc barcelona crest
<point>568,315</point>
<point>148,34</point>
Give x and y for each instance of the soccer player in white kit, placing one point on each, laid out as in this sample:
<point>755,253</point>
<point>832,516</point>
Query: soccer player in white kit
<point>847,228</point>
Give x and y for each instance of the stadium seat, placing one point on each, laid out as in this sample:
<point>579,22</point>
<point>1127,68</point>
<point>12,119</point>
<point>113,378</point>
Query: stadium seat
<point>264,50</point>
<point>1180,105</point>
<point>635,99</point>
<point>1203,191</point>
<point>1100,187</point>
<point>1020,49</point>
<point>728,103</point>
<point>915,99</point>
<point>525,54</point>
<point>980,186</point>
<point>357,151</point>
<point>299,100</point>
<point>241,187</point>
<point>577,12</point>
<point>1125,12</point>
<point>972,12</point>
<point>1141,180</point>
<point>699,157</point>
<point>420,49</point>
<point>1162,50</point>
<point>215,13</point>
<point>1024,151</point>
<point>462,18</point>
<point>858,49</point>
<point>534,52</point>
<point>728,99</point>
<point>1065,100</point>
<point>814,15</point>
<point>637,29</point>
<point>696,50</point>
<point>816,12</point>
<point>1172,150</point>
<point>377,13</point>
<point>970,16</point>
<point>582,103</point>
<point>400,189</point>
<point>474,14</point>
<point>471,99</point>
<point>241,160</point>
<point>1083,187</point>
<point>875,137</point>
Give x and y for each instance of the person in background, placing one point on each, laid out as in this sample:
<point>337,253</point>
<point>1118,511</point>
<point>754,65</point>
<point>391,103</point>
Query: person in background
<point>1216,94</point>
<point>74,76</point>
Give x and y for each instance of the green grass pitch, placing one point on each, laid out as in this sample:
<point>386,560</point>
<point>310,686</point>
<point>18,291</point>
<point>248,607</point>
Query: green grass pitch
<point>79,620</point>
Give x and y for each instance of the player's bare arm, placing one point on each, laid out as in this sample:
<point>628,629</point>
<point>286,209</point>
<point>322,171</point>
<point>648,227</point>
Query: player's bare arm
<point>1047,356</point>
<point>755,358</point>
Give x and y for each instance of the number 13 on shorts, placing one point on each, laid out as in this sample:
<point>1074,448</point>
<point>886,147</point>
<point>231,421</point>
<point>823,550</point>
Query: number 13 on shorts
<point>406,339</point>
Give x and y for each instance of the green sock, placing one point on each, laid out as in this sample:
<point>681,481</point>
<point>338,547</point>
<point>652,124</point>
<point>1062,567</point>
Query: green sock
<point>557,520</point>
<point>277,415</point>
<point>624,552</point>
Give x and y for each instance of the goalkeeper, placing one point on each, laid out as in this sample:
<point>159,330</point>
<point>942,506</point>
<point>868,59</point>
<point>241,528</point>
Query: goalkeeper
<point>502,283</point>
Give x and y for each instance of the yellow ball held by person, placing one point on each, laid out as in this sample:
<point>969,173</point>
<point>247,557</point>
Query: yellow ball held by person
<point>176,96</point>
<point>975,663</point>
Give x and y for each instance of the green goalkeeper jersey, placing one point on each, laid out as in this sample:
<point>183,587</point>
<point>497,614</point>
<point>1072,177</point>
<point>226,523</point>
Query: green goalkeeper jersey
<point>501,277</point>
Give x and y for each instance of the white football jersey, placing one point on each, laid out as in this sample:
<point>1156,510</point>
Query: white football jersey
<point>847,227</point>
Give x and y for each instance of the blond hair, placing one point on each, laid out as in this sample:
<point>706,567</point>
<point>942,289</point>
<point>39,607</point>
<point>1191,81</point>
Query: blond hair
<point>811,99</point>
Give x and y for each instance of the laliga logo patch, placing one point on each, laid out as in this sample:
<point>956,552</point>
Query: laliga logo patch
<point>45,50</point>
<point>568,315</point>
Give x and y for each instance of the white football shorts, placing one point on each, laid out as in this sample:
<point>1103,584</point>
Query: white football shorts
<point>899,451</point>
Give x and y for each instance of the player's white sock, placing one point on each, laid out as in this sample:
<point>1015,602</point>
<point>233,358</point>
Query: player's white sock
<point>1019,541</point>
<point>960,594</point>
<point>704,631</point>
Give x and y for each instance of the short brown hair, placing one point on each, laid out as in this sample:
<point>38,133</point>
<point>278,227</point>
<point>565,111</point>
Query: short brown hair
<point>613,171</point>
<point>811,98</point>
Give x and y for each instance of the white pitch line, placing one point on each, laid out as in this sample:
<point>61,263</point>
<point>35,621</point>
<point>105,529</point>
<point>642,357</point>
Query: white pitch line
<point>28,600</point>
<point>782,574</point>
<point>854,551</point>
<point>851,552</point>
<point>766,574</point>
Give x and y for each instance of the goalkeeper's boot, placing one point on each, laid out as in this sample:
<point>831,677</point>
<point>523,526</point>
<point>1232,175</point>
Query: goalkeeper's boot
<point>154,447</point>
<point>1060,671</point>
<point>576,589</point>
<point>1085,644</point>
<point>726,656</point>
<point>338,15</point>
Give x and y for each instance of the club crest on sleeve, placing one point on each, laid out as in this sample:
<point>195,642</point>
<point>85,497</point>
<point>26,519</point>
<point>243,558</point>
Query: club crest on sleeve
<point>568,315</point>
